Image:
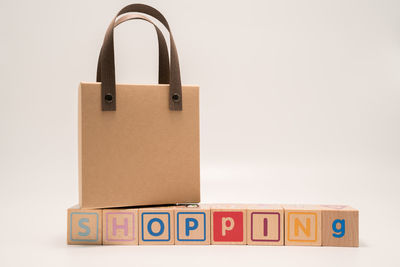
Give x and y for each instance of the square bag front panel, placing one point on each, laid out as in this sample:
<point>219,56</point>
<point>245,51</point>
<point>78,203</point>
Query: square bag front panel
<point>142,153</point>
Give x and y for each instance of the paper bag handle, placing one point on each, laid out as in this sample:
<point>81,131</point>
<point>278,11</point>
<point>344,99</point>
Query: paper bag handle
<point>163,58</point>
<point>107,66</point>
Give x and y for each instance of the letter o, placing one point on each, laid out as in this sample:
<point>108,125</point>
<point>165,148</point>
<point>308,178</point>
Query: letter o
<point>151,230</point>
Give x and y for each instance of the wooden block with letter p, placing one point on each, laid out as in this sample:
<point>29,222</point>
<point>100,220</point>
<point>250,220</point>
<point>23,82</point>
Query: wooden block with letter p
<point>192,224</point>
<point>120,227</point>
<point>84,226</point>
<point>339,226</point>
<point>228,224</point>
<point>302,225</point>
<point>265,225</point>
<point>156,226</point>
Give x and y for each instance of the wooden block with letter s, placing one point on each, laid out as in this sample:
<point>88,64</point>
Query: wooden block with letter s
<point>84,226</point>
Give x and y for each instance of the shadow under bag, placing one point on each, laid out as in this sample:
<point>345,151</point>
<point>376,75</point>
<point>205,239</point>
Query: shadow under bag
<point>138,144</point>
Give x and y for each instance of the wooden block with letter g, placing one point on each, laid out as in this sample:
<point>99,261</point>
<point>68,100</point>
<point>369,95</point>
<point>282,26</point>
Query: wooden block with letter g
<point>265,225</point>
<point>120,227</point>
<point>302,225</point>
<point>228,224</point>
<point>156,226</point>
<point>84,226</point>
<point>339,226</point>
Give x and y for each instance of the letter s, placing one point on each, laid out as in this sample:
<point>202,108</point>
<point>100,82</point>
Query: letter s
<point>84,226</point>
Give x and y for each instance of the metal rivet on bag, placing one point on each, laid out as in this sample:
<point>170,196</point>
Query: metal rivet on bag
<point>108,98</point>
<point>176,97</point>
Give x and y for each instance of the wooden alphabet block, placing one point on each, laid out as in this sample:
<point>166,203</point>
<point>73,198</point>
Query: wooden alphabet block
<point>192,225</point>
<point>339,226</point>
<point>302,225</point>
<point>228,224</point>
<point>156,226</point>
<point>265,225</point>
<point>84,226</point>
<point>120,227</point>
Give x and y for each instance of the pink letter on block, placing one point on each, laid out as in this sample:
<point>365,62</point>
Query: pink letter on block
<point>120,226</point>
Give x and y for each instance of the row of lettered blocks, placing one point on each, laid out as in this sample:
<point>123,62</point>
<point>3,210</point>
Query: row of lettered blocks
<point>205,224</point>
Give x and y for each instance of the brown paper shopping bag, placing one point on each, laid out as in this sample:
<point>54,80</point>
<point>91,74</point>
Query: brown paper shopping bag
<point>138,144</point>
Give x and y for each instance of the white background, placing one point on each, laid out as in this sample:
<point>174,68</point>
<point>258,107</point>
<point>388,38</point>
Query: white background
<point>299,104</point>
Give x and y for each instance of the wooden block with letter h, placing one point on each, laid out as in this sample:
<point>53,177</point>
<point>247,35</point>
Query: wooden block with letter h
<point>156,226</point>
<point>120,227</point>
<point>84,226</point>
<point>192,224</point>
<point>302,225</point>
<point>265,225</point>
<point>339,226</point>
<point>228,224</point>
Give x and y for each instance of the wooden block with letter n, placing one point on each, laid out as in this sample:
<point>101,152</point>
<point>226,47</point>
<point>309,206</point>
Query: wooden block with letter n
<point>120,227</point>
<point>339,226</point>
<point>156,226</point>
<point>192,224</point>
<point>302,225</point>
<point>228,224</point>
<point>265,225</point>
<point>84,226</point>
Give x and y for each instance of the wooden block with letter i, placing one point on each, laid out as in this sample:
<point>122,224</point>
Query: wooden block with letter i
<point>302,225</point>
<point>339,226</point>
<point>84,226</point>
<point>192,224</point>
<point>228,224</point>
<point>156,226</point>
<point>120,227</point>
<point>265,225</point>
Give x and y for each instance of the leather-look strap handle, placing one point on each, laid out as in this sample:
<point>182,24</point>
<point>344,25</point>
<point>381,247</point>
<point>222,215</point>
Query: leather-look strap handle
<point>107,68</point>
<point>163,58</point>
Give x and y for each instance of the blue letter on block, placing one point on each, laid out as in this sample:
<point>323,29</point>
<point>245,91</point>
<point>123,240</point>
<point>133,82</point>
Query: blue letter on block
<point>193,227</point>
<point>151,223</point>
<point>85,227</point>
<point>339,232</point>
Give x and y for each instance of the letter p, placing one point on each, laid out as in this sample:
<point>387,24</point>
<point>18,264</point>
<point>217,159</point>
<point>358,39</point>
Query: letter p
<point>189,227</point>
<point>225,226</point>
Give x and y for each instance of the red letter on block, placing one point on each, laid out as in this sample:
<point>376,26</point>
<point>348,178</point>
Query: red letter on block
<point>228,226</point>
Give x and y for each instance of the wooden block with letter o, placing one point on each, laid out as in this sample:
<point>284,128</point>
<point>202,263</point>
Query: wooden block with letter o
<point>156,226</point>
<point>120,227</point>
<point>84,226</point>
<point>302,225</point>
<point>265,225</point>
<point>339,226</point>
<point>228,224</point>
<point>192,224</point>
